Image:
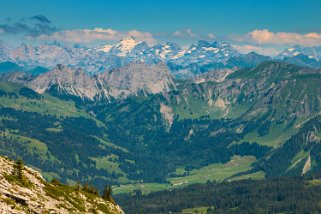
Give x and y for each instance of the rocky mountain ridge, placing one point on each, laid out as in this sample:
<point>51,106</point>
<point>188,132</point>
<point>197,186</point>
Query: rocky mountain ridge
<point>134,79</point>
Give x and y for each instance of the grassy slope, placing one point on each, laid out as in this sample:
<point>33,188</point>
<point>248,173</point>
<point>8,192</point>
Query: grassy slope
<point>47,105</point>
<point>195,210</point>
<point>275,137</point>
<point>217,172</point>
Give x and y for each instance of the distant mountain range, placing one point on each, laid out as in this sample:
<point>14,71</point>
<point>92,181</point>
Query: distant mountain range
<point>182,62</point>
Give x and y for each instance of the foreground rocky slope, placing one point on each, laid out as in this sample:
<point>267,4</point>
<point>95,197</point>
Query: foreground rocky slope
<point>35,195</point>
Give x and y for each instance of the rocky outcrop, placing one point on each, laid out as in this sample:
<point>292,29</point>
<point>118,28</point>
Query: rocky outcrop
<point>307,165</point>
<point>134,79</point>
<point>67,80</point>
<point>16,76</point>
<point>38,196</point>
<point>137,78</point>
<point>167,113</point>
<point>218,75</point>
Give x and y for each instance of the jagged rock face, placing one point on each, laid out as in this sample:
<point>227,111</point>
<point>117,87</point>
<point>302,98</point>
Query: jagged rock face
<point>167,113</point>
<point>39,197</point>
<point>50,54</point>
<point>134,79</point>
<point>47,55</point>
<point>137,79</point>
<point>251,59</point>
<point>4,50</point>
<point>18,77</point>
<point>205,53</point>
<point>214,75</point>
<point>68,80</point>
<point>303,60</point>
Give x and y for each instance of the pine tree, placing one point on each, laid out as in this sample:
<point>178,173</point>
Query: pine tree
<point>55,181</point>
<point>18,169</point>
<point>90,189</point>
<point>78,186</point>
<point>107,193</point>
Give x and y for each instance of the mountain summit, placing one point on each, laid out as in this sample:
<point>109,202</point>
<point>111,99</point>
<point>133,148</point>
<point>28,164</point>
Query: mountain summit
<point>310,52</point>
<point>124,47</point>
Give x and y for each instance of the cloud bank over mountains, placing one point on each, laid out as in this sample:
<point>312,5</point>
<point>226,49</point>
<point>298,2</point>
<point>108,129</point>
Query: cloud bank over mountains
<point>263,41</point>
<point>280,38</point>
<point>97,34</point>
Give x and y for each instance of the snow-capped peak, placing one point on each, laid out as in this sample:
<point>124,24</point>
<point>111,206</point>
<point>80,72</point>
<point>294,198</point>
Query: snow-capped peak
<point>128,39</point>
<point>105,48</point>
<point>126,45</point>
<point>290,52</point>
<point>123,47</point>
<point>298,51</point>
<point>206,52</point>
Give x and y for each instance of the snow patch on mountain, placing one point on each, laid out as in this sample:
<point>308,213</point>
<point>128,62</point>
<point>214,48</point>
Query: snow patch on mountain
<point>105,48</point>
<point>311,52</point>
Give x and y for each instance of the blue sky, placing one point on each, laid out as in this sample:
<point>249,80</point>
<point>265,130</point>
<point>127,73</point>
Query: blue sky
<point>263,24</point>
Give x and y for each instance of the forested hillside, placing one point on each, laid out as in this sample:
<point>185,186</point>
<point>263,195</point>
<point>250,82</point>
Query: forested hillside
<point>280,195</point>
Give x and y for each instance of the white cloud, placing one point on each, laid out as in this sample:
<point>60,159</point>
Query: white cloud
<point>211,36</point>
<point>189,35</point>
<point>261,41</point>
<point>186,33</point>
<point>280,38</point>
<point>97,34</point>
